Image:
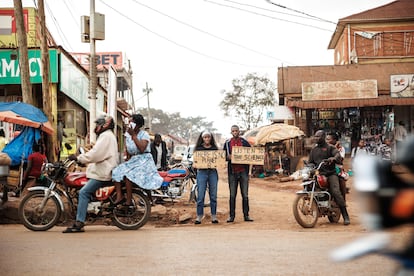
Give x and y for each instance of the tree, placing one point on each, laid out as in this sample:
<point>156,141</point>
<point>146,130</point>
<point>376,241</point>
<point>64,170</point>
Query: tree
<point>248,100</point>
<point>173,123</point>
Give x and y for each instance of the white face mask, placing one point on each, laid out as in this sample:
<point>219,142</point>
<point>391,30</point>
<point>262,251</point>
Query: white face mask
<point>132,125</point>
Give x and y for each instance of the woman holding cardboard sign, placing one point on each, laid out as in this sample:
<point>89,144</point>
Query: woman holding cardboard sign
<point>206,178</point>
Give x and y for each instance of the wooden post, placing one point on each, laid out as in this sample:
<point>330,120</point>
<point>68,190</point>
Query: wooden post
<point>23,53</point>
<point>46,95</point>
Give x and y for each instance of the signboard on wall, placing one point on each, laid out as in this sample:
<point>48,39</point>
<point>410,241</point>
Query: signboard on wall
<point>10,69</point>
<point>402,86</point>
<point>339,90</point>
<point>104,59</point>
<point>8,30</point>
<point>75,84</point>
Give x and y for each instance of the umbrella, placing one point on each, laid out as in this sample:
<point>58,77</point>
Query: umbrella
<point>26,115</point>
<point>276,133</point>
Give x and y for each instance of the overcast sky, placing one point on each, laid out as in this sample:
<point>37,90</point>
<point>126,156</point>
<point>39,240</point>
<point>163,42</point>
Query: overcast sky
<point>190,50</point>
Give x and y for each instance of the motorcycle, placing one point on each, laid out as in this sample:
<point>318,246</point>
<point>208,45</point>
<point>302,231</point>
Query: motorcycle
<point>177,180</point>
<point>45,206</point>
<point>386,195</point>
<point>314,200</point>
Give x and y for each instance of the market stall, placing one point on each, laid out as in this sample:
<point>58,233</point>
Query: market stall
<point>14,155</point>
<point>279,142</point>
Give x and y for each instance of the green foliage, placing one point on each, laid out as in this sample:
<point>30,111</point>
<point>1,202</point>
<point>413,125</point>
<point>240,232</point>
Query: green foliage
<point>172,123</point>
<point>249,99</point>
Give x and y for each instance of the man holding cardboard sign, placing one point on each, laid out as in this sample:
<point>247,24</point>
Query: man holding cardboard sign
<point>237,174</point>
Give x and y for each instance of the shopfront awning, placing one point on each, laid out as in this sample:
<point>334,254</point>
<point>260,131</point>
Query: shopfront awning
<point>380,101</point>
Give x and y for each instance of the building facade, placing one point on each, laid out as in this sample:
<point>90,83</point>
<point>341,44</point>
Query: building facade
<point>370,87</point>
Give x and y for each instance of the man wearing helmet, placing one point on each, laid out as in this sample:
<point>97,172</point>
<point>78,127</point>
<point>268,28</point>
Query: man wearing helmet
<point>103,157</point>
<point>322,150</point>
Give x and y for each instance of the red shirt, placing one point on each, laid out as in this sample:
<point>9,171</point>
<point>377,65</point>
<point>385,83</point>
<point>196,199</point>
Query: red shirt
<point>37,161</point>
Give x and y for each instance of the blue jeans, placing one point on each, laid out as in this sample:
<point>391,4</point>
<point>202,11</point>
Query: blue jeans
<point>235,179</point>
<point>207,178</point>
<point>85,195</point>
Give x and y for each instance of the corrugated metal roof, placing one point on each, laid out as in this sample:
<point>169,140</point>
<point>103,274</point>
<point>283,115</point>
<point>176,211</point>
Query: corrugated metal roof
<point>380,101</point>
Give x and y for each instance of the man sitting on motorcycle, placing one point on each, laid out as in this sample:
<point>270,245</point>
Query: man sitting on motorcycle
<point>103,157</point>
<point>322,150</point>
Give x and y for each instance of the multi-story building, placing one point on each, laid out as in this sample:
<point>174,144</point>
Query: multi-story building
<point>369,88</point>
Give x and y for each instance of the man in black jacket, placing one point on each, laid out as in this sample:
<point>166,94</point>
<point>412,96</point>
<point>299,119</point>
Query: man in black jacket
<point>322,150</point>
<point>159,152</point>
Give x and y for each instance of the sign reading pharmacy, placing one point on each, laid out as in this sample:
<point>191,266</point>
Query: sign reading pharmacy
<point>10,69</point>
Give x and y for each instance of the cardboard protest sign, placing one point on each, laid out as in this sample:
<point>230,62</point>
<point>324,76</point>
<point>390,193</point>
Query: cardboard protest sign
<point>248,155</point>
<point>209,159</point>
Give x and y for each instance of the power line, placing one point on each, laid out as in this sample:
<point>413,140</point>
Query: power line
<point>273,11</point>
<point>179,44</point>
<point>58,28</point>
<point>208,33</point>
<point>268,16</point>
<point>301,12</point>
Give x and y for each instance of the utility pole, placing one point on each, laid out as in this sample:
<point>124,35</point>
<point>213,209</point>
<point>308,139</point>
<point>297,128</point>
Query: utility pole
<point>23,53</point>
<point>92,74</point>
<point>147,91</point>
<point>46,95</point>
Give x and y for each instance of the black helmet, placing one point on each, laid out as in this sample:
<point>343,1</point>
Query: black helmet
<point>103,123</point>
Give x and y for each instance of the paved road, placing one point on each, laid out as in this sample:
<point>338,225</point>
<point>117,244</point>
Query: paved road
<point>184,250</point>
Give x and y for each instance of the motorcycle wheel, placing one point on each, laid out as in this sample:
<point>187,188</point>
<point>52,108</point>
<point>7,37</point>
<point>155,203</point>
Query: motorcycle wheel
<point>134,217</point>
<point>305,214</point>
<point>335,213</point>
<point>36,218</point>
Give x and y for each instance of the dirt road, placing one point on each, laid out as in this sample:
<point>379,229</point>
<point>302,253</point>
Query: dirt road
<point>274,244</point>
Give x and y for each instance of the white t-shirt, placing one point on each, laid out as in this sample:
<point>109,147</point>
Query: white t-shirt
<point>159,154</point>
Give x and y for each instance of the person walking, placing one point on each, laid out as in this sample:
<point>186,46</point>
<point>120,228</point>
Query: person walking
<point>60,134</point>
<point>206,179</point>
<point>102,158</point>
<point>159,152</point>
<point>359,149</point>
<point>399,135</point>
<point>238,174</point>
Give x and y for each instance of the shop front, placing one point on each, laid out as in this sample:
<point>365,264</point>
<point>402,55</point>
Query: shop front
<point>356,101</point>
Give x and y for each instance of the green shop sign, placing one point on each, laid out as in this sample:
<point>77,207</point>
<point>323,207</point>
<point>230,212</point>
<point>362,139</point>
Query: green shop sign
<point>10,69</point>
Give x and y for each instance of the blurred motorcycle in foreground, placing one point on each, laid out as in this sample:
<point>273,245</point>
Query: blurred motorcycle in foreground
<point>386,193</point>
